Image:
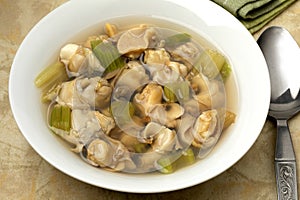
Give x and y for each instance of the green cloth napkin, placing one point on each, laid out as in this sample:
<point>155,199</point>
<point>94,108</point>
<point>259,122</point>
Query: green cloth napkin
<point>254,14</point>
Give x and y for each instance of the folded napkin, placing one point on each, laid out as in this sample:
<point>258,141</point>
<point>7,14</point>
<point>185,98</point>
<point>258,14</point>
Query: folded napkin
<point>254,14</point>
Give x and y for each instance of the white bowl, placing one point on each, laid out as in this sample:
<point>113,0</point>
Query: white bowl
<point>65,23</point>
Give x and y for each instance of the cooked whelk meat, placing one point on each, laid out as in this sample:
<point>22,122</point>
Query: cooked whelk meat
<point>72,55</point>
<point>136,39</point>
<point>95,91</point>
<point>129,81</point>
<point>156,57</point>
<point>149,133</point>
<point>205,129</point>
<point>162,69</point>
<point>85,124</point>
<point>66,95</point>
<point>99,153</point>
<point>184,129</point>
<point>162,139</point>
<point>179,68</point>
<point>106,123</point>
<point>205,91</point>
<point>199,83</point>
<point>85,92</point>
<point>155,60</point>
<point>129,141</point>
<point>186,53</point>
<point>79,60</point>
<point>146,108</point>
<point>165,140</point>
<point>165,114</point>
<point>211,98</point>
<point>192,107</point>
<point>150,96</point>
<point>91,66</point>
<point>166,75</point>
<point>110,154</point>
<point>103,91</point>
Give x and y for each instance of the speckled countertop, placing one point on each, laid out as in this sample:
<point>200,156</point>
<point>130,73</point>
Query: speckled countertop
<point>25,175</point>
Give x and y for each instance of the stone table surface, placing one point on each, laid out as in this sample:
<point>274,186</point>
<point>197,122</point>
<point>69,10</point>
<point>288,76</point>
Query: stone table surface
<point>25,175</point>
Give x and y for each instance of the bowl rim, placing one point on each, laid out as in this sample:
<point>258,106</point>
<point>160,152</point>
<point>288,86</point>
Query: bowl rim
<point>220,20</point>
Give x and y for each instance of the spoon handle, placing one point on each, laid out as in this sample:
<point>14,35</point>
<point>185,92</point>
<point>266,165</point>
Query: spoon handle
<point>285,163</point>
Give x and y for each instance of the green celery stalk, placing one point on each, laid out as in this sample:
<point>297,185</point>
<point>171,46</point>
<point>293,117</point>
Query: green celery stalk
<point>167,165</point>
<point>211,63</point>
<point>187,158</point>
<point>108,55</point>
<point>51,75</point>
<point>140,148</point>
<point>177,91</point>
<point>94,43</point>
<point>169,93</point>
<point>225,71</point>
<point>177,39</point>
<point>122,112</point>
<point>60,117</point>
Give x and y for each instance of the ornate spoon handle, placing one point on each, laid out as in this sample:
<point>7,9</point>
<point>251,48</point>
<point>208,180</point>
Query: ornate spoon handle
<point>285,163</point>
<point>286,180</point>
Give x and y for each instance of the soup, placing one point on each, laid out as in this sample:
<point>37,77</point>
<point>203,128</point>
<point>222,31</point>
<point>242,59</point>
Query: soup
<point>138,98</point>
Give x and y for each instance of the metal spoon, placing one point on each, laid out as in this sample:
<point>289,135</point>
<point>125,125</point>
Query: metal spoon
<point>283,59</point>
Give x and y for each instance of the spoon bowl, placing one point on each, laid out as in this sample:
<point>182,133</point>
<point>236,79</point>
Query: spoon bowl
<point>285,106</point>
<point>282,56</point>
<point>282,53</point>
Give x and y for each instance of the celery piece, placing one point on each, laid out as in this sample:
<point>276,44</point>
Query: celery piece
<point>217,58</point>
<point>94,43</point>
<point>210,62</point>
<point>108,55</point>
<point>177,91</point>
<point>141,148</point>
<point>60,117</point>
<point>169,94</point>
<point>176,40</point>
<point>55,116</point>
<point>66,118</point>
<point>52,74</point>
<point>122,112</point>
<point>169,164</point>
<point>225,71</point>
<point>187,158</point>
<point>165,166</point>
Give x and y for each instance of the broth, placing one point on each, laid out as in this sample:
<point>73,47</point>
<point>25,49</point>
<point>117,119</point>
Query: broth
<point>144,95</point>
